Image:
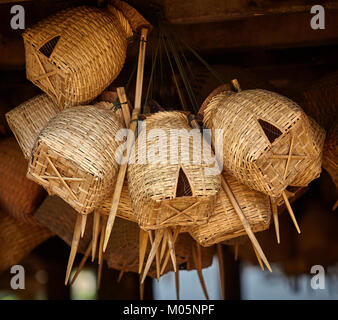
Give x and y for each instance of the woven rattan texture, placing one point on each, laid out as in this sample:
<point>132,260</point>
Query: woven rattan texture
<point>258,129</point>
<point>153,185</point>
<point>29,118</point>
<point>18,239</point>
<point>124,209</point>
<point>330,157</point>
<point>224,223</point>
<point>19,197</point>
<point>74,55</point>
<point>78,145</point>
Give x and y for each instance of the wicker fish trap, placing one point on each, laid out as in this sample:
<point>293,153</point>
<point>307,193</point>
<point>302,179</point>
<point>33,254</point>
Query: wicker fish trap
<point>28,119</point>
<point>18,239</point>
<point>19,197</point>
<point>74,156</point>
<point>74,55</point>
<point>268,141</point>
<point>164,194</point>
<point>330,156</point>
<point>224,223</point>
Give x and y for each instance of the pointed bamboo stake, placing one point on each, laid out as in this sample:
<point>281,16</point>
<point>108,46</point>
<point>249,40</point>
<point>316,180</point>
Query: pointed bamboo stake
<point>198,266</point>
<point>99,276</point>
<point>83,224</point>
<point>124,105</point>
<point>130,137</point>
<point>236,206</point>
<point>258,258</point>
<point>157,256</point>
<point>177,283</point>
<point>103,227</point>
<point>96,228</point>
<point>171,248</point>
<point>166,260</point>
<point>335,206</point>
<point>275,219</point>
<point>221,268</point>
<point>154,247</point>
<point>289,158</point>
<point>143,239</point>
<point>292,215</point>
<point>120,276</point>
<point>164,245</point>
<point>141,289</point>
<point>236,252</point>
<point>82,263</point>
<point>74,247</point>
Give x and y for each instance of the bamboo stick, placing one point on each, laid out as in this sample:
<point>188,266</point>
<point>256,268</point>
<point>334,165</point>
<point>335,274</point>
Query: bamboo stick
<point>171,248</point>
<point>177,283</point>
<point>130,137</point>
<point>275,219</point>
<point>198,265</point>
<point>74,247</point>
<point>124,105</point>
<point>154,247</point>
<point>143,240</point>
<point>221,268</point>
<point>292,215</point>
<point>96,227</point>
<point>166,260</point>
<point>236,252</point>
<point>259,259</point>
<point>289,158</point>
<point>82,263</point>
<point>83,224</point>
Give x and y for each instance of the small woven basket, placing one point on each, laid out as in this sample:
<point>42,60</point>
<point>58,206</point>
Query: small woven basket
<point>18,239</point>
<point>74,55</point>
<point>165,194</point>
<point>268,141</point>
<point>19,197</point>
<point>74,156</point>
<point>224,223</point>
<point>330,156</point>
<point>29,118</point>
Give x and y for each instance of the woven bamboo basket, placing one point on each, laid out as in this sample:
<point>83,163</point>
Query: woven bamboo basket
<point>165,194</point>
<point>19,197</point>
<point>269,142</point>
<point>330,155</point>
<point>29,118</point>
<point>18,239</point>
<point>74,156</point>
<point>224,223</point>
<point>74,55</point>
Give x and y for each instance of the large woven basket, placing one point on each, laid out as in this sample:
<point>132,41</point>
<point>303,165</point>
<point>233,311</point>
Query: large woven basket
<point>268,141</point>
<point>224,223</point>
<point>74,55</point>
<point>330,156</point>
<point>19,196</point>
<point>74,156</point>
<point>29,118</point>
<point>165,194</point>
<point>18,239</point>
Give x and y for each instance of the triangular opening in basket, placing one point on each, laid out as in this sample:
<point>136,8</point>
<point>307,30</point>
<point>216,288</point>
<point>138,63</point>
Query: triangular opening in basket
<point>183,185</point>
<point>48,48</point>
<point>271,132</point>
